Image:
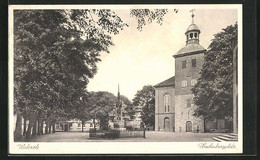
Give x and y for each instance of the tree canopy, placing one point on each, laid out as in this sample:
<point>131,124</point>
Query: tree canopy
<point>145,99</point>
<point>214,89</point>
<point>55,53</point>
<point>146,16</point>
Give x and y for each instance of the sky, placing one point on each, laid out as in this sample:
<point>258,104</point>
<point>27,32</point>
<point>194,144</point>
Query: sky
<point>146,57</point>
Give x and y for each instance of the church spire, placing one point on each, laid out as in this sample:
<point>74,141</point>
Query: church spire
<point>118,93</point>
<point>192,33</point>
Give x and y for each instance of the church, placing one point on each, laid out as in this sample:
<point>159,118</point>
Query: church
<point>173,97</point>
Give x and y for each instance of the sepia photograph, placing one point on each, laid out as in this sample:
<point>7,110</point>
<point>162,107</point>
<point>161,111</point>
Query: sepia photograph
<point>125,79</point>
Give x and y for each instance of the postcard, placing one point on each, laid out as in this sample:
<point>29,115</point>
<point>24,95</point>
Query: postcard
<point>125,79</point>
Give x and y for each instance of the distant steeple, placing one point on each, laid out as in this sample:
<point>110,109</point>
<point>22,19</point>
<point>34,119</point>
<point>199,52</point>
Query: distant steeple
<point>119,105</point>
<point>118,93</point>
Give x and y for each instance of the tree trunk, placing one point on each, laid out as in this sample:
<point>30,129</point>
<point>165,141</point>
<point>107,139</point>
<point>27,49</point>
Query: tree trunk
<point>34,127</point>
<point>29,130</point>
<point>50,128</point>
<point>94,121</point>
<point>39,127</point>
<point>82,130</point>
<point>46,128</point>
<point>53,128</point>
<point>18,127</point>
<point>24,125</point>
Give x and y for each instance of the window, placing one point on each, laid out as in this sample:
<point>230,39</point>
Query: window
<point>191,35</point>
<point>193,82</point>
<point>78,124</point>
<point>188,103</point>
<point>184,83</point>
<point>167,103</point>
<point>195,35</point>
<point>193,62</point>
<point>183,64</point>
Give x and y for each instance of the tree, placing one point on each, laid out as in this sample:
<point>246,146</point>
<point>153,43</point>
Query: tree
<point>145,16</point>
<point>213,93</point>
<point>145,98</point>
<point>102,103</point>
<point>55,53</point>
<point>128,106</point>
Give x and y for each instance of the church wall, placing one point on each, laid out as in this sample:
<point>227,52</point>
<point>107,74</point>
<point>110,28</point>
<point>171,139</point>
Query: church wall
<point>187,73</point>
<point>160,113</point>
<point>184,114</point>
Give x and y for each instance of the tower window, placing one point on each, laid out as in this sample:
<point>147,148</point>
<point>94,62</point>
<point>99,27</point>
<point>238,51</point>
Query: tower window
<point>184,83</point>
<point>188,103</point>
<point>193,82</point>
<point>195,35</point>
<point>191,35</point>
<point>193,62</point>
<point>183,64</point>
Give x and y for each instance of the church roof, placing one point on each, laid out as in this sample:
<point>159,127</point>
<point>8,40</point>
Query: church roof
<point>193,27</point>
<point>191,48</point>
<point>166,83</point>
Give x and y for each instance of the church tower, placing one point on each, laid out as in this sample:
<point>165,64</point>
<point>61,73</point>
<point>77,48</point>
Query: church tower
<point>188,63</point>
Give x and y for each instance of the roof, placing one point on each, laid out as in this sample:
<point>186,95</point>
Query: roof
<point>166,83</point>
<point>193,27</point>
<point>192,48</point>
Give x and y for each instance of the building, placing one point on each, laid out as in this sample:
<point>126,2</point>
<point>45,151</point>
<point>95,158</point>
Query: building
<point>173,97</point>
<point>76,125</point>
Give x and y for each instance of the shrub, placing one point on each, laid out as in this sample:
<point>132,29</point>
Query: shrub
<point>92,130</point>
<point>112,134</point>
<point>116,125</point>
<point>129,128</point>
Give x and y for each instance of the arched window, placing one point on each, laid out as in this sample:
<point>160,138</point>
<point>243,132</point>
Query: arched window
<point>167,103</point>
<point>195,35</point>
<point>191,35</point>
<point>184,83</point>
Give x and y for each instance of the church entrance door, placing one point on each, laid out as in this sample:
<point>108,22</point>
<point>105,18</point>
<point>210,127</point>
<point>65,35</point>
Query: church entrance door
<point>166,123</point>
<point>188,126</point>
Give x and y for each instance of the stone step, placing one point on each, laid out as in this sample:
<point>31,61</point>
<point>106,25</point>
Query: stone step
<point>217,139</point>
<point>230,136</point>
<point>233,134</point>
<point>227,138</point>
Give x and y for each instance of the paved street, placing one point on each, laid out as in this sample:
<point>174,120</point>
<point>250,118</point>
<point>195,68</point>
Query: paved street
<point>151,136</point>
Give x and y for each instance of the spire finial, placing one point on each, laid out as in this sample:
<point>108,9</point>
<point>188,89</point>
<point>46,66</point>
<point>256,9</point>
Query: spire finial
<point>192,15</point>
